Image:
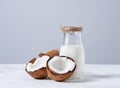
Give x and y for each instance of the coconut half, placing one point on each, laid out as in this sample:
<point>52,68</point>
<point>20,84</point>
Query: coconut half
<point>60,68</point>
<point>37,67</point>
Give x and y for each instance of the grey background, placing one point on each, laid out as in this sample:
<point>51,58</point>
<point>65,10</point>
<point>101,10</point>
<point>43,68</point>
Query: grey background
<point>28,27</point>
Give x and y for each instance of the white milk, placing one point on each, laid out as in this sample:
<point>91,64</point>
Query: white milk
<point>77,53</point>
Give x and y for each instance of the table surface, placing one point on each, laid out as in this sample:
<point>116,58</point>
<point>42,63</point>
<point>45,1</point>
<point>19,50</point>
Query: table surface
<point>96,76</point>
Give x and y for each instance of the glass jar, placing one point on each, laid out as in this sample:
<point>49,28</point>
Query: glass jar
<point>72,46</point>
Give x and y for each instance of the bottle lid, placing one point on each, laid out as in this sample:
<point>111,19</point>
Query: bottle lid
<point>71,29</point>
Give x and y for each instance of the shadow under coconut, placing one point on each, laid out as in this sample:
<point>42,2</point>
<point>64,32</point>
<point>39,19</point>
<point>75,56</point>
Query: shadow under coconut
<point>89,77</point>
<point>78,80</point>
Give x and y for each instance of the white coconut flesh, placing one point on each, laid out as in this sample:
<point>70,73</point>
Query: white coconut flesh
<point>61,65</point>
<point>38,64</point>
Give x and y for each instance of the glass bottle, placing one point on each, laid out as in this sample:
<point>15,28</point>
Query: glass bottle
<point>72,46</point>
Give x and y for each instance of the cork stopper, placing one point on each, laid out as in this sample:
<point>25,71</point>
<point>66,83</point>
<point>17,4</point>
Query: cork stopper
<point>71,29</point>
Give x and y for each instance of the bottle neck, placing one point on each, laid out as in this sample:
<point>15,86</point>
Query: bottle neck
<point>73,38</point>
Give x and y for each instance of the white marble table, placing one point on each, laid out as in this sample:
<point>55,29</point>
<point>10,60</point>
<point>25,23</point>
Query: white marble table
<point>96,76</point>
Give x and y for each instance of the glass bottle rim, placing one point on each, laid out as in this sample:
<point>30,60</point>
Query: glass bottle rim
<point>70,29</point>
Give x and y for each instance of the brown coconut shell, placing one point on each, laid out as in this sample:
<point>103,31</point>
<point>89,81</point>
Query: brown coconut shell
<point>51,53</point>
<point>59,77</point>
<point>41,54</point>
<point>38,74</point>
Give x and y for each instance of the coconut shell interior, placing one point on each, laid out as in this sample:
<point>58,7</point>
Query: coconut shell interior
<point>59,77</point>
<point>38,74</point>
